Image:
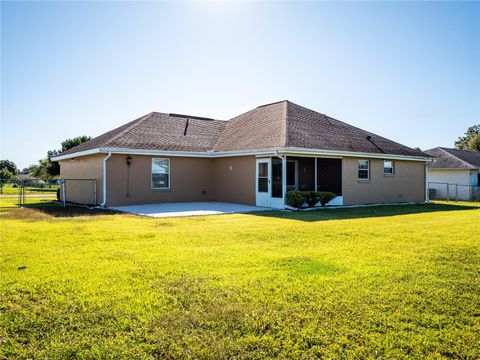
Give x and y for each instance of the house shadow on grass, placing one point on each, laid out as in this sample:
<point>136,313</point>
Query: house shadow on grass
<point>52,209</point>
<point>366,211</point>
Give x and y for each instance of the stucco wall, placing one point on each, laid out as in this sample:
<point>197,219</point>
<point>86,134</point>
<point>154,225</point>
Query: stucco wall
<point>407,185</point>
<point>84,167</point>
<point>229,179</point>
<point>459,183</point>
<point>190,180</point>
<point>460,177</point>
<point>234,179</point>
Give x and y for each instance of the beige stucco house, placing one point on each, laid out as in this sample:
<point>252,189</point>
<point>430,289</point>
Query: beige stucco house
<point>254,158</point>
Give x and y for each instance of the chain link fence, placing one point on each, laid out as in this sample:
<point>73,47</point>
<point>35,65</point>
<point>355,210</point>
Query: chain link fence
<point>453,192</point>
<point>19,192</point>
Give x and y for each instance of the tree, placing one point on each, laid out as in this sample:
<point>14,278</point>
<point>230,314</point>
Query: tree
<point>53,167</point>
<point>9,166</point>
<point>46,169</point>
<point>70,143</point>
<point>471,139</point>
<point>5,174</point>
<point>41,170</point>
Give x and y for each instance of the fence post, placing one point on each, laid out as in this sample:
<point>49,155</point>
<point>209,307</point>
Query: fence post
<point>456,192</point>
<point>448,192</point>
<point>19,193</point>
<point>64,193</point>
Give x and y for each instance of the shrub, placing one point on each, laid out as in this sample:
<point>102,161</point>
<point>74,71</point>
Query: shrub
<point>14,186</point>
<point>311,197</point>
<point>325,197</point>
<point>295,198</point>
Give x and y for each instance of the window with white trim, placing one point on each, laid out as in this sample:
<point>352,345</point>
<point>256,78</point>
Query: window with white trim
<point>388,167</point>
<point>160,173</point>
<point>363,170</point>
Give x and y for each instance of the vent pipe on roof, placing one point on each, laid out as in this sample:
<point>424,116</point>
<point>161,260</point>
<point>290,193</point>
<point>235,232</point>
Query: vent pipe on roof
<point>369,138</point>
<point>186,127</point>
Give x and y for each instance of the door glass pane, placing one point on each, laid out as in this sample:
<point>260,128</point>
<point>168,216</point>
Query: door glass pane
<point>276,178</point>
<point>262,184</point>
<point>263,169</point>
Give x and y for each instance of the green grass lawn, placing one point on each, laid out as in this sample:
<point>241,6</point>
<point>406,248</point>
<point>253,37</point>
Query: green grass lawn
<point>10,189</point>
<point>11,201</point>
<point>385,282</point>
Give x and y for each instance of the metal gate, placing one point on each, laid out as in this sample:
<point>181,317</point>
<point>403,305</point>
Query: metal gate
<point>78,191</point>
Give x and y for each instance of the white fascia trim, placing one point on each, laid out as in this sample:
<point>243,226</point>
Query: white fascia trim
<point>77,154</point>
<point>215,154</point>
<point>203,154</point>
<point>335,153</point>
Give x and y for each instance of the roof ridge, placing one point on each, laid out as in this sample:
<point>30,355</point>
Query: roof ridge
<point>135,124</point>
<point>456,157</point>
<point>273,103</point>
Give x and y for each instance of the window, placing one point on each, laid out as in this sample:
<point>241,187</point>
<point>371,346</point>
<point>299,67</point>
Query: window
<point>388,168</point>
<point>161,173</point>
<point>363,170</point>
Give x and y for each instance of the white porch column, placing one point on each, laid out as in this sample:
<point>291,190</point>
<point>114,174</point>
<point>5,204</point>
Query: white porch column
<point>316,185</point>
<point>284,179</point>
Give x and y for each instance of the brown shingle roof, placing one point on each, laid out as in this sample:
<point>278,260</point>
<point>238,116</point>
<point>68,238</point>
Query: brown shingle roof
<point>276,125</point>
<point>454,159</point>
<point>260,128</point>
<point>309,129</point>
<point>158,131</point>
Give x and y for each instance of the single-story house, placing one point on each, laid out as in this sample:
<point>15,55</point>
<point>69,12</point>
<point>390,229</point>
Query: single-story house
<point>253,158</point>
<point>454,174</point>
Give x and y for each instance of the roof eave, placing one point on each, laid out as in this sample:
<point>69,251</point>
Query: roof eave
<point>320,152</point>
<point>269,151</point>
<point>78,154</point>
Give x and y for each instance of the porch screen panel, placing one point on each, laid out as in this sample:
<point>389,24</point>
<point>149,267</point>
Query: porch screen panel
<point>276,178</point>
<point>329,175</point>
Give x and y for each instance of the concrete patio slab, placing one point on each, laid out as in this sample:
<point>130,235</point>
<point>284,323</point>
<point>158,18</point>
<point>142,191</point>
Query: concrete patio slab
<point>188,209</point>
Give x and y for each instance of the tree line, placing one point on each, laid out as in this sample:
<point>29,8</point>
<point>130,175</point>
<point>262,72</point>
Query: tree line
<point>46,169</point>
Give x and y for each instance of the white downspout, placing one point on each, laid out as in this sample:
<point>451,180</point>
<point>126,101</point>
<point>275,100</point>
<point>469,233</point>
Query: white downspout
<point>104,202</point>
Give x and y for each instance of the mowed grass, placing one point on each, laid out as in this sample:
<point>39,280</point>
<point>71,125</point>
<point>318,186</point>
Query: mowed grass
<point>378,282</point>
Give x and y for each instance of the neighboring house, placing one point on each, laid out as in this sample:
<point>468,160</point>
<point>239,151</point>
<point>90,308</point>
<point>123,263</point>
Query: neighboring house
<point>24,177</point>
<point>457,168</point>
<point>254,158</point>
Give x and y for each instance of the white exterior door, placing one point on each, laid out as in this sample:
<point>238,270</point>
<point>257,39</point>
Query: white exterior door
<point>263,182</point>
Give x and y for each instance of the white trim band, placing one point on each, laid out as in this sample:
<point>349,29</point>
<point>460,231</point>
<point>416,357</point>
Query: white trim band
<point>267,152</point>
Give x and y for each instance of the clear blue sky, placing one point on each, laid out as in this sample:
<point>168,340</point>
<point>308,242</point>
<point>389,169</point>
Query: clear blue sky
<point>407,71</point>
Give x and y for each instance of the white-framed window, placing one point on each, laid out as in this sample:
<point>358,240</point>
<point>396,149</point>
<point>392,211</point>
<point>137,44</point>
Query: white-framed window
<point>388,167</point>
<point>160,173</point>
<point>363,170</point>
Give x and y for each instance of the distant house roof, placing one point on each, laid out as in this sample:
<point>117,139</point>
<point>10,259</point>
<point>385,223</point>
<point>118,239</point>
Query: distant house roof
<point>454,159</point>
<point>24,177</point>
<point>278,125</point>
